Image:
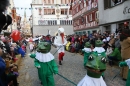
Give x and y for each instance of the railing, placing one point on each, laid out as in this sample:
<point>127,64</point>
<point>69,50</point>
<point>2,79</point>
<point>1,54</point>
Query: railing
<point>85,9</point>
<point>85,26</point>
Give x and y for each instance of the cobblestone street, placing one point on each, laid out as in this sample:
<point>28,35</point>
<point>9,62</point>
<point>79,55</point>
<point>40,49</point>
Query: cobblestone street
<point>72,69</point>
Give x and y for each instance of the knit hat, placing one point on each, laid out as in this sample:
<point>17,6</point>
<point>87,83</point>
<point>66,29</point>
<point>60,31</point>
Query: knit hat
<point>87,45</point>
<point>98,43</point>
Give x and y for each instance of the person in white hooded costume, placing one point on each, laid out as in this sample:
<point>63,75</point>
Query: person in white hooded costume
<point>60,41</point>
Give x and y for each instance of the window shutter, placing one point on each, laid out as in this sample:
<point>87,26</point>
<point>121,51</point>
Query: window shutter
<point>88,18</point>
<point>93,16</point>
<point>105,4</point>
<point>109,3</point>
<point>86,2</point>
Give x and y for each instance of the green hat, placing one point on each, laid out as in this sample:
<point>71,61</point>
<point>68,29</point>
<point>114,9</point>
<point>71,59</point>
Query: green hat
<point>98,43</point>
<point>87,45</point>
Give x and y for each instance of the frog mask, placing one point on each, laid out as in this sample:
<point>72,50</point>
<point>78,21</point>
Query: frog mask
<point>96,64</point>
<point>43,47</point>
<point>87,45</point>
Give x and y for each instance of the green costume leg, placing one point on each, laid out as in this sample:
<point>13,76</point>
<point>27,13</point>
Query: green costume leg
<point>128,79</point>
<point>36,64</point>
<point>50,80</point>
<point>39,70</point>
<point>44,80</point>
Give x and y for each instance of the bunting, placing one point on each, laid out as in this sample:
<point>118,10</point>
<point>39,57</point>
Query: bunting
<point>37,8</point>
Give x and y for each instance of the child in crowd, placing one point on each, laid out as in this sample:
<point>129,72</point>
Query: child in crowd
<point>31,46</point>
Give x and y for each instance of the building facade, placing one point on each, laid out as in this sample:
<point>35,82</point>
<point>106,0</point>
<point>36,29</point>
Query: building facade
<point>51,13</point>
<point>85,16</point>
<point>114,14</point>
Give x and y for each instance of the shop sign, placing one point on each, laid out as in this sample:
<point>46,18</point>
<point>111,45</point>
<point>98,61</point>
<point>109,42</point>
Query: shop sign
<point>126,10</point>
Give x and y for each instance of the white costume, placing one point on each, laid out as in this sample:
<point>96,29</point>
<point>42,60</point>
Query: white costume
<point>90,81</point>
<point>60,41</point>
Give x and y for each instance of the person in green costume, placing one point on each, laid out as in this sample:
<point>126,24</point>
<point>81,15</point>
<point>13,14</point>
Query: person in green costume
<point>99,49</point>
<point>96,65</point>
<point>87,52</point>
<point>123,64</point>
<point>45,63</point>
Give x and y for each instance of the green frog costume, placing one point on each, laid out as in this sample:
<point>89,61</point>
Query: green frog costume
<point>45,63</point>
<point>123,64</point>
<point>96,65</point>
<point>87,52</point>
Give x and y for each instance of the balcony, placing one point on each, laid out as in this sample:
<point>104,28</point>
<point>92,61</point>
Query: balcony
<point>83,11</point>
<point>86,26</point>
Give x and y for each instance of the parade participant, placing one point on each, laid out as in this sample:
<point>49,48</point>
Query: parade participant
<point>125,48</point>
<point>45,63</point>
<point>60,42</point>
<point>96,65</point>
<point>87,52</point>
<point>126,63</point>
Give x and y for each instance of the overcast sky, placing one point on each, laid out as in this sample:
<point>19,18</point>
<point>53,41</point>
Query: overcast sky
<point>23,4</point>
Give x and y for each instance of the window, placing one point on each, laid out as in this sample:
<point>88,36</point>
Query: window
<point>49,11</point>
<point>111,3</point>
<point>90,17</point>
<point>52,22</point>
<point>107,4</point>
<point>117,1</point>
<point>81,5</point>
<point>65,22</point>
<point>66,11</point>
<point>70,12</point>
<point>45,11</point>
<point>53,12</point>
<point>62,11</point>
<point>86,19</point>
<point>77,9</point>
<point>40,10</point>
<point>84,3</point>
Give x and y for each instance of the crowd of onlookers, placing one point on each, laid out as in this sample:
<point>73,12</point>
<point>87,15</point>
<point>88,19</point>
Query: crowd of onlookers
<point>10,53</point>
<point>75,44</point>
<point>111,44</point>
<point>11,50</point>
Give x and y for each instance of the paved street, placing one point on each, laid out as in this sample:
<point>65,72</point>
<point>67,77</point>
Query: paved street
<point>72,69</point>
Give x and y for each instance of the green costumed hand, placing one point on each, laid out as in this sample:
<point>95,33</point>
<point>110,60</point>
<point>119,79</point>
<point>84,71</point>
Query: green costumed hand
<point>122,64</point>
<point>33,55</point>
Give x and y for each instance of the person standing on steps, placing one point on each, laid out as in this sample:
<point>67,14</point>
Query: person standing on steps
<point>60,41</point>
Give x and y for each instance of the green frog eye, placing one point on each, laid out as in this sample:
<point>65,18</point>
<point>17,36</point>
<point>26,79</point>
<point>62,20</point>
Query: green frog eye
<point>104,60</point>
<point>90,58</point>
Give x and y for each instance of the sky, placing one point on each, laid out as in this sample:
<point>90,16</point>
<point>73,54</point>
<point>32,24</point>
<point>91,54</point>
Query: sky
<point>23,4</point>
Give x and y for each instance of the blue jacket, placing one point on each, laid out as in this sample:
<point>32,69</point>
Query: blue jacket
<point>2,72</point>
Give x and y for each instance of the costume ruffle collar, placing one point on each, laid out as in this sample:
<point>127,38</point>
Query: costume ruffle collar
<point>44,57</point>
<point>99,49</point>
